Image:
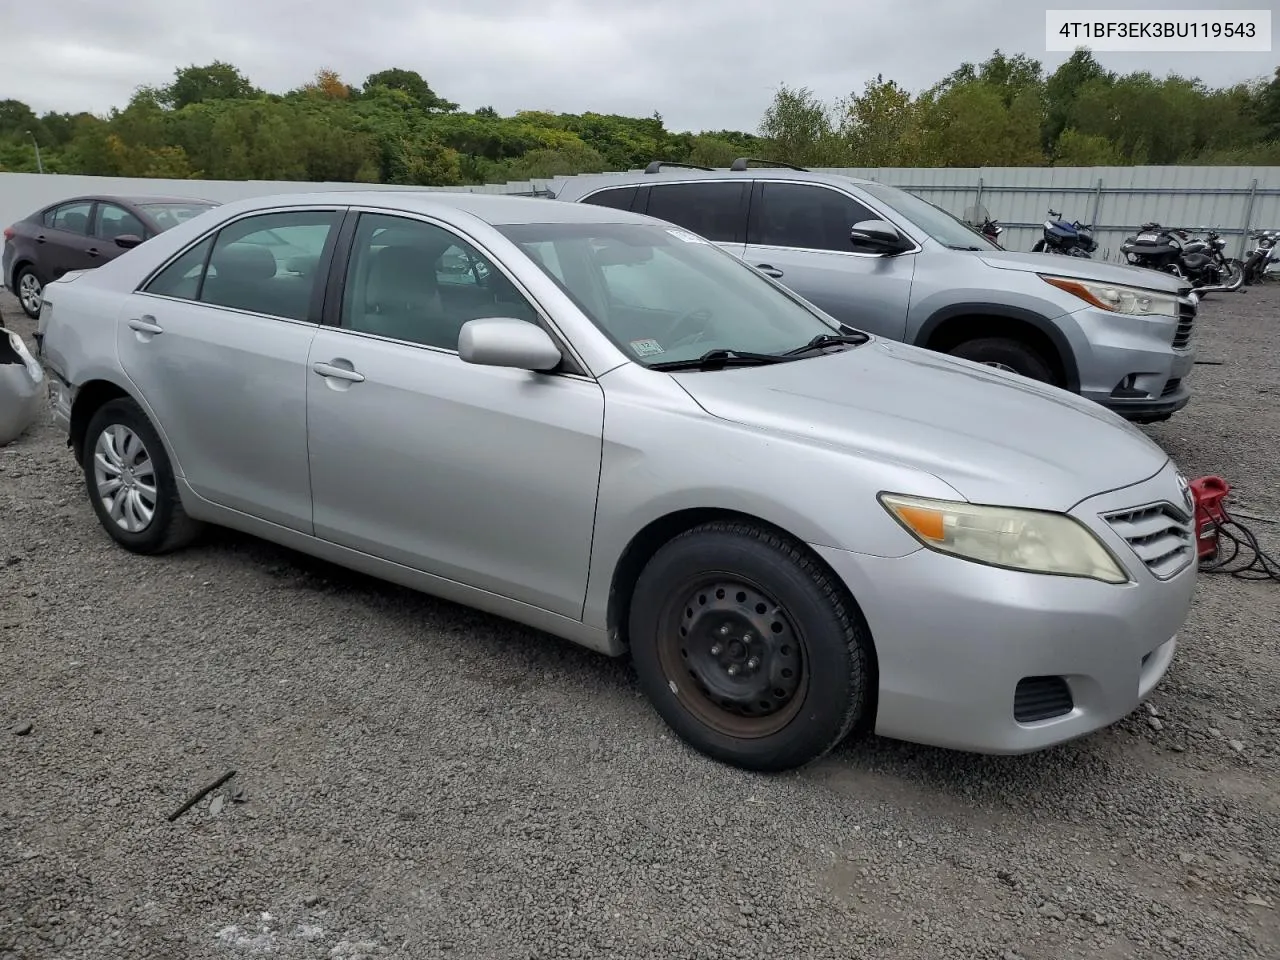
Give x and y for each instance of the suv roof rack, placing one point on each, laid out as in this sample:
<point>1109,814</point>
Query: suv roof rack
<point>659,164</point>
<point>741,164</point>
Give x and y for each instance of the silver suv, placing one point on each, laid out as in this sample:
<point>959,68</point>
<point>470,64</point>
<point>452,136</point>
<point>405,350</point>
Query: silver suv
<point>883,260</point>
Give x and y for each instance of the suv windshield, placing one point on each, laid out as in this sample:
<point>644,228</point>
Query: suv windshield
<point>663,294</point>
<point>948,230</point>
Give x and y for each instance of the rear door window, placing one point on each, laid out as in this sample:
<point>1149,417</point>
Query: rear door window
<point>72,218</point>
<point>713,209</point>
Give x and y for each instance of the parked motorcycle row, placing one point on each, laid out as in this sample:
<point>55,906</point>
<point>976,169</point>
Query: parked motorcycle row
<point>1175,250</point>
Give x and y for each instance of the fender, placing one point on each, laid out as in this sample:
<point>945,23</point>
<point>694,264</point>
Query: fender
<point>130,390</point>
<point>979,309</point>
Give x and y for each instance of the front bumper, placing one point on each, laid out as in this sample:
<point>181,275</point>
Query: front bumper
<point>954,639</point>
<point>1136,366</point>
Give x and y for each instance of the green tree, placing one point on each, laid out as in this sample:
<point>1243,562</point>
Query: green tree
<point>214,81</point>
<point>881,127</point>
<point>410,82</point>
<point>799,130</point>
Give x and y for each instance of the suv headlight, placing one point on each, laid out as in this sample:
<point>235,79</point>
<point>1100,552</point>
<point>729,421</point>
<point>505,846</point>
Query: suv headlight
<point>1034,541</point>
<point>1116,298</point>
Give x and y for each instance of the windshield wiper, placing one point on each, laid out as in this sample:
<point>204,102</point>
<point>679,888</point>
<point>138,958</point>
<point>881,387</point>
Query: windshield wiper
<point>954,246</point>
<point>825,340</point>
<point>716,359</point>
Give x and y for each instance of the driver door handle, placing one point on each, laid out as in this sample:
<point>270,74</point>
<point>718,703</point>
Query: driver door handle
<point>92,251</point>
<point>145,324</point>
<point>769,269</point>
<point>337,373</point>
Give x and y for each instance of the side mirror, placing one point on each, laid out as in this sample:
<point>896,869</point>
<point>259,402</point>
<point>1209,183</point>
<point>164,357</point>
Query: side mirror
<point>128,240</point>
<point>507,342</point>
<point>875,233</point>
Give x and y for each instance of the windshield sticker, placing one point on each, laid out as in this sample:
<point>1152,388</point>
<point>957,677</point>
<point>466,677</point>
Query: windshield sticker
<point>686,236</point>
<point>646,348</point>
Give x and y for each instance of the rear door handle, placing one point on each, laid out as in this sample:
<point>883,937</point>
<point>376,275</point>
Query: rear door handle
<point>40,239</point>
<point>145,324</point>
<point>768,268</point>
<point>92,251</point>
<point>337,373</point>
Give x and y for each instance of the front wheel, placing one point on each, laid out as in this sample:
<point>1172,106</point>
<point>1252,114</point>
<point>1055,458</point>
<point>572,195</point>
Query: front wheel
<point>748,648</point>
<point>1006,354</point>
<point>1233,274</point>
<point>131,484</point>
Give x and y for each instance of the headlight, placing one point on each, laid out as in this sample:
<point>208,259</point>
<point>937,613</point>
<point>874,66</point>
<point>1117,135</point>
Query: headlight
<point>1030,540</point>
<point>1133,301</point>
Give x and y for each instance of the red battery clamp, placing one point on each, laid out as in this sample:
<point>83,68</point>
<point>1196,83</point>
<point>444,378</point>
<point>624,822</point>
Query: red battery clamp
<point>1208,494</point>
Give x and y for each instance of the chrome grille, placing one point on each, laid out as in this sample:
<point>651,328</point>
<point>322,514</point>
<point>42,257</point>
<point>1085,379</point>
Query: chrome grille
<point>1186,322</point>
<point>1160,534</point>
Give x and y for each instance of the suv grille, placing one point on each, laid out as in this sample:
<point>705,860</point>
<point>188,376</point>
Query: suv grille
<point>1160,534</point>
<point>1186,321</point>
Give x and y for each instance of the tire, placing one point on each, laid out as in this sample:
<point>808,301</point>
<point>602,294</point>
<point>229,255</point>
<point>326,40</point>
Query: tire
<point>1234,279</point>
<point>1006,354</point>
<point>29,291</point>
<point>1038,247</point>
<point>133,460</point>
<point>797,661</point>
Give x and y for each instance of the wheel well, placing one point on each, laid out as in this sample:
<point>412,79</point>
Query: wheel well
<point>961,329</point>
<point>89,398</point>
<point>13,272</point>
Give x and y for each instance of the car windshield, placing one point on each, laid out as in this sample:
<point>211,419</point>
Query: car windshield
<point>948,230</point>
<point>663,294</point>
<point>169,215</point>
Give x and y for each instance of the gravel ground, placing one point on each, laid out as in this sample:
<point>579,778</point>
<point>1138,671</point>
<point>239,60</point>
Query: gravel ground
<point>416,780</point>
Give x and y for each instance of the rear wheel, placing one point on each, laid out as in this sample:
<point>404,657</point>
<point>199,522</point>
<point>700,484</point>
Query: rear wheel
<point>748,648</point>
<point>1038,247</point>
<point>131,483</point>
<point>1004,353</point>
<point>30,292</point>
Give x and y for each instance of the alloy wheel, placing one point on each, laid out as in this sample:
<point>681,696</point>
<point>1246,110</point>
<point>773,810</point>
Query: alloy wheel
<point>30,293</point>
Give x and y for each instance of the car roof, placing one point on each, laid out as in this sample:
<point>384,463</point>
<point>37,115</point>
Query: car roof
<point>684,174</point>
<point>492,208</point>
<point>118,198</point>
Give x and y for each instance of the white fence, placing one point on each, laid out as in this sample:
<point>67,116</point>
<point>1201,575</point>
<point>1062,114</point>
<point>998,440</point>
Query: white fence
<point>1115,199</point>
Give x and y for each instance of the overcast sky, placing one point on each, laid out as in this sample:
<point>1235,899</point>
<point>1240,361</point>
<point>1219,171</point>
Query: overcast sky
<point>703,64</point>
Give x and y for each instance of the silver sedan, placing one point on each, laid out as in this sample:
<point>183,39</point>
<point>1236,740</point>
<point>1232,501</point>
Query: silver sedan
<point>604,427</point>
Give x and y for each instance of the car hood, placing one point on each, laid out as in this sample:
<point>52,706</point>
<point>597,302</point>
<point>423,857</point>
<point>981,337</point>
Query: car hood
<point>1082,269</point>
<point>994,437</point>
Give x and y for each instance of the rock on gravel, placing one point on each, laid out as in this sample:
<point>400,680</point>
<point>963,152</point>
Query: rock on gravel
<point>424,781</point>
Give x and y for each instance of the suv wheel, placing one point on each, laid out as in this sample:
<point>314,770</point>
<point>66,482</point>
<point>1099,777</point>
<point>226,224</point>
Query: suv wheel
<point>748,649</point>
<point>1005,354</point>
<point>30,292</point>
<point>131,483</point>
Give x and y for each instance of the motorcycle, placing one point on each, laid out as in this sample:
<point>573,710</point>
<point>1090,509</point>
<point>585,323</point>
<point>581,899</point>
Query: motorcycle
<point>1073,239</point>
<point>1263,258</point>
<point>1173,250</point>
<point>980,219</point>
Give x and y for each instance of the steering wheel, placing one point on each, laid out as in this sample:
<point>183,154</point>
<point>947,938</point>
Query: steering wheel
<point>701,317</point>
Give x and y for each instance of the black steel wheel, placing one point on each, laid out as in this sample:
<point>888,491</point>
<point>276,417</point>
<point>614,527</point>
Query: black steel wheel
<point>740,650</point>
<point>749,648</point>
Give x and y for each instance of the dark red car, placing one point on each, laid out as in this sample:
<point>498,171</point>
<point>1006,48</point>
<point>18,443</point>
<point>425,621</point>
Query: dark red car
<point>81,233</point>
